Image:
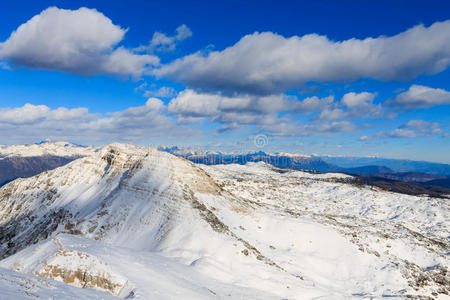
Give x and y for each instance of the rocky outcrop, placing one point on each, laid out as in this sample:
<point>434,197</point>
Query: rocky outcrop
<point>81,270</point>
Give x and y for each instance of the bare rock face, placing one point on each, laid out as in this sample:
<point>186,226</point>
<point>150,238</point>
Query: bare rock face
<point>15,285</point>
<point>81,270</point>
<point>57,259</point>
<point>25,230</point>
<point>80,277</point>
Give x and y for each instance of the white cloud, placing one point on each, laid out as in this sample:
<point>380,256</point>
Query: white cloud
<point>313,103</point>
<point>151,122</point>
<point>122,62</point>
<point>353,106</point>
<point>231,112</point>
<point>162,92</point>
<point>288,128</point>
<point>81,41</point>
<point>423,127</point>
<point>266,63</point>
<point>65,114</point>
<point>412,129</point>
<point>261,111</point>
<point>164,43</point>
<point>29,114</point>
<point>400,133</point>
<point>340,126</point>
<point>352,100</point>
<point>419,96</point>
<point>140,123</point>
<point>190,103</point>
<point>364,138</point>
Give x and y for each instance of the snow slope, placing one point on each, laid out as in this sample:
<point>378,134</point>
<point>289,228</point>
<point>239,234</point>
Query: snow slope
<point>149,275</point>
<point>402,241</point>
<point>137,222</point>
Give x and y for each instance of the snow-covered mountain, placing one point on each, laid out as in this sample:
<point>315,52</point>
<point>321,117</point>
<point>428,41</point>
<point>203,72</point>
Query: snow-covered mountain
<point>28,160</point>
<point>138,223</point>
<point>43,148</point>
<point>279,160</point>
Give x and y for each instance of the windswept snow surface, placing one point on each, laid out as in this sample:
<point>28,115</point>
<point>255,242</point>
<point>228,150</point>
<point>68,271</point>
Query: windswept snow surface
<point>149,274</point>
<point>139,223</point>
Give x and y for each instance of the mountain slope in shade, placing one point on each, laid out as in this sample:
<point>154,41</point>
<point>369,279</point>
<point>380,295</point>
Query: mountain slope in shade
<point>15,167</point>
<point>368,170</point>
<point>250,231</point>
<point>445,182</point>
<point>29,160</point>
<point>412,176</point>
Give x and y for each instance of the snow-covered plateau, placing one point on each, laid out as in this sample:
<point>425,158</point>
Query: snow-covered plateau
<point>137,223</point>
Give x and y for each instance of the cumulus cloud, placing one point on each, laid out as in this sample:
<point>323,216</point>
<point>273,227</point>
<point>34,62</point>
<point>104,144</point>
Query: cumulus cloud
<point>313,103</point>
<point>140,123</point>
<point>22,115</point>
<point>65,114</point>
<point>267,63</point>
<point>263,111</point>
<point>364,138</point>
<point>422,128</point>
<point>30,114</point>
<point>155,120</point>
<point>353,106</point>
<point>162,92</point>
<point>81,41</point>
<point>288,128</point>
<point>164,43</point>
<point>419,96</point>
<point>190,103</point>
<point>412,129</point>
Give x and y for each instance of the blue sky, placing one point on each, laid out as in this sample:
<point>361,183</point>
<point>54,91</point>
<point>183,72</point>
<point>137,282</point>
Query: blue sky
<point>353,78</point>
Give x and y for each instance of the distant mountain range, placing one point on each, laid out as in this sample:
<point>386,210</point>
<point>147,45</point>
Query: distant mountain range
<point>397,165</point>
<point>419,172</point>
<point>15,167</point>
<point>29,160</point>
